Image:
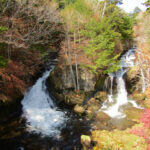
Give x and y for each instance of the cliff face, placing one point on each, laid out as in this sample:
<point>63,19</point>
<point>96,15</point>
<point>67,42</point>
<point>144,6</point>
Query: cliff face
<point>61,84</point>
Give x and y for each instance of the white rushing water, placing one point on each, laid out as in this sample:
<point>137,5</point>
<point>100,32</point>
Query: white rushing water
<point>39,110</point>
<point>143,81</point>
<point>114,103</point>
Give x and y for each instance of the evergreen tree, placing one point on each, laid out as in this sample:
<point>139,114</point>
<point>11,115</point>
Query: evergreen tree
<point>147,4</point>
<point>63,3</point>
<point>103,31</point>
<point>3,62</point>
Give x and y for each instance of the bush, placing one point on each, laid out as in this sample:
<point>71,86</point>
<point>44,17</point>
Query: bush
<point>145,118</point>
<point>3,62</point>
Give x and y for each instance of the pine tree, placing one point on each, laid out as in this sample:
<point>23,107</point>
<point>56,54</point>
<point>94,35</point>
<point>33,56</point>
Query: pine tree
<point>103,32</point>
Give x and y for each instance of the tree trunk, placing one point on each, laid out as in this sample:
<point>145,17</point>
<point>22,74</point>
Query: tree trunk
<point>70,62</point>
<point>104,9</point>
<point>77,75</point>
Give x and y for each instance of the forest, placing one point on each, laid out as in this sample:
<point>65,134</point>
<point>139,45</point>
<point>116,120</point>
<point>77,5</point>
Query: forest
<point>74,74</point>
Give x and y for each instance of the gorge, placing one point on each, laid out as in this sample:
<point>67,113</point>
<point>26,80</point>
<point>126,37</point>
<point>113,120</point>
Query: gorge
<point>70,77</point>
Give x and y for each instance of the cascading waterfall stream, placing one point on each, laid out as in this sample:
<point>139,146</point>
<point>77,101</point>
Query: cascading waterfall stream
<point>112,106</point>
<point>111,87</point>
<point>143,81</point>
<point>39,110</point>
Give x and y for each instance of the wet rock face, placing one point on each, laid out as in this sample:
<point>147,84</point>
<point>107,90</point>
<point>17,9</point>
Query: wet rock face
<point>101,116</point>
<point>63,79</point>
<point>101,96</point>
<point>101,82</point>
<point>132,79</point>
<point>86,142</point>
<point>60,84</point>
<point>139,97</point>
<point>133,113</point>
<point>92,107</point>
<point>73,98</point>
<point>79,109</point>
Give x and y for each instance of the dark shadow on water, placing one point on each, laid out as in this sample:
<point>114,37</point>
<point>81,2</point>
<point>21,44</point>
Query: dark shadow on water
<point>14,135</point>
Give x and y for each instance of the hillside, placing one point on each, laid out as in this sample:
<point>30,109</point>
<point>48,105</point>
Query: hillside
<point>30,35</point>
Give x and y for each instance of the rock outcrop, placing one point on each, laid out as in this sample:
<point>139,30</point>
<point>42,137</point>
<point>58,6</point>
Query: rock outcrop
<point>62,87</point>
<point>133,80</point>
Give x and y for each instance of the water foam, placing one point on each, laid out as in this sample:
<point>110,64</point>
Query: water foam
<point>121,98</point>
<point>40,111</point>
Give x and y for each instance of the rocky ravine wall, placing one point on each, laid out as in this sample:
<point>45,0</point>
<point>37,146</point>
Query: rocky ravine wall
<point>61,85</point>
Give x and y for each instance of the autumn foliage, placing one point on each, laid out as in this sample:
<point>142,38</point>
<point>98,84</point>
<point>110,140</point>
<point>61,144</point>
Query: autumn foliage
<point>145,118</point>
<point>144,131</point>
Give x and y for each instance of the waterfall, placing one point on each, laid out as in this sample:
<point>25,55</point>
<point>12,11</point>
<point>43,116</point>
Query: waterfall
<point>40,111</point>
<point>112,106</point>
<point>141,63</point>
<point>111,82</point>
<point>111,87</point>
<point>143,81</point>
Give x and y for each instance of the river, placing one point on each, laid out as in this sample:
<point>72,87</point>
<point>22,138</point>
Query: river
<point>42,124</point>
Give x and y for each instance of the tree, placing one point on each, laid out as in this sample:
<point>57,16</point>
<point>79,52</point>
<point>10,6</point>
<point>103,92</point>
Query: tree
<point>2,28</point>
<point>3,62</point>
<point>102,25</point>
<point>115,2</point>
<point>63,3</point>
<point>147,4</point>
<point>103,37</point>
<point>136,10</point>
<point>40,19</point>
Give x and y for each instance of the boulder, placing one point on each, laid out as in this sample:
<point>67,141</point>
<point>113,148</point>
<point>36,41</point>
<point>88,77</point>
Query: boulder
<point>138,96</point>
<point>85,141</point>
<point>147,93</point>
<point>147,103</point>
<point>133,113</point>
<point>62,75</point>
<point>93,106</point>
<point>73,98</point>
<point>101,96</point>
<point>100,82</point>
<point>132,78</point>
<point>101,116</point>
<point>79,109</point>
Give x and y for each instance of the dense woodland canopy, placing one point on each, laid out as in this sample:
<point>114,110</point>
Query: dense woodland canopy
<point>28,25</point>
<point>104,25</point>
<point>89,37</point>
<point>99,29</point>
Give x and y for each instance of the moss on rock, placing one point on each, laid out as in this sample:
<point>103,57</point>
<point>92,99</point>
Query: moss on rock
<point>101,96</point>
<point>79,109</point>
<point>139,96</point>
<point>134,113</point>
<point>101,116</point>
<point>121,140</point>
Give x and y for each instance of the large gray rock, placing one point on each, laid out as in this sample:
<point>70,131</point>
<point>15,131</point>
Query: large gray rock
<point>61,85</point>
<point>61,77</point>
<point>60,81</point>
<point>133,79</point>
